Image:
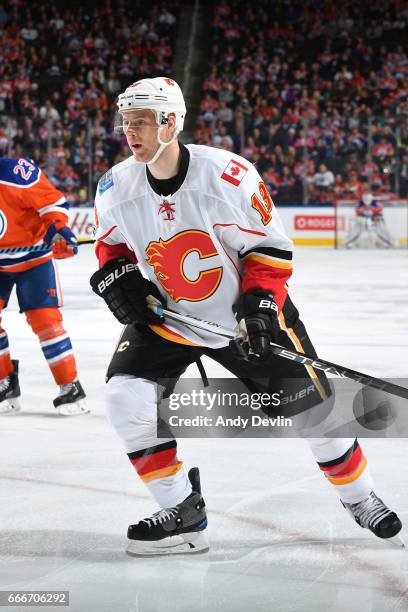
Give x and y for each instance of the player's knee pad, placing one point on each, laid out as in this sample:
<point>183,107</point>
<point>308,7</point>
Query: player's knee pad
<point>45,322</point>
<point>131,406</point>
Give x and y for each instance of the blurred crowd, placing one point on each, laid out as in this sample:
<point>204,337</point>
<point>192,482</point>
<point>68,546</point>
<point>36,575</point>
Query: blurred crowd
<point>315,93</point>
<point>61,68</point>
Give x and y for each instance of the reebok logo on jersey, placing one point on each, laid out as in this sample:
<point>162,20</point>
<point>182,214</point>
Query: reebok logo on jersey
<point>234,172</point>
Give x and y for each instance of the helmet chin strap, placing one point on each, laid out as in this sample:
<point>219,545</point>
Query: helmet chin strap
<point>161,147</point>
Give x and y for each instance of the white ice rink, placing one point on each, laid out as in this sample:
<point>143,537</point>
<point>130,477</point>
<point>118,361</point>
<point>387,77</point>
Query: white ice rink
<point>280,540</point>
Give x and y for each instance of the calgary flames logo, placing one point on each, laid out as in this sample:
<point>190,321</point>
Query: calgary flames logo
<point>168,257</point>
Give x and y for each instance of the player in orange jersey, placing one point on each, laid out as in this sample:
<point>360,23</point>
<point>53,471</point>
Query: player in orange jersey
<point>34,231</point>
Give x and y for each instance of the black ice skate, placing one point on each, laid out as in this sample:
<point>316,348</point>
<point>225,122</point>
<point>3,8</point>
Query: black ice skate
<point>173,530</point>
<point>373,514</point>
<point>10,392</point>
<point>70,400</point>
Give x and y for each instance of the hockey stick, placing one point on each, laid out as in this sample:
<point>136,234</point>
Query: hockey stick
<point>38,247</point>
<point>319,364</point>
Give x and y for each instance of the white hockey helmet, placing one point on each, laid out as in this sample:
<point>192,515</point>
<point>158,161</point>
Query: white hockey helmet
<point>162,95</point>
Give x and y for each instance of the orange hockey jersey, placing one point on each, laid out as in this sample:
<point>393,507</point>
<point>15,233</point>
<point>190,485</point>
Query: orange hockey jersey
<point>29,204</point>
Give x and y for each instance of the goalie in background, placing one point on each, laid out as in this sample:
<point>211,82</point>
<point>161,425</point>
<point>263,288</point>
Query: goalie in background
<point>34,232</point>
<point>369,224</point>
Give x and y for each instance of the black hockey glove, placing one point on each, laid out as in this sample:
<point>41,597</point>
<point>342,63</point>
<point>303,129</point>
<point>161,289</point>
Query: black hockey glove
<point>121,284</point>
<point>257,315</point>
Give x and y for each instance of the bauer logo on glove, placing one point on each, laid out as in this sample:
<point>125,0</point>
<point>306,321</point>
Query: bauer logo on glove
<point>115,275</point>
<point>268,304</point>
<point>127,293</point>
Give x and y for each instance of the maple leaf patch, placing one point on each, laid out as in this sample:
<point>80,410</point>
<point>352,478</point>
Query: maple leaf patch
<point>234,172</point>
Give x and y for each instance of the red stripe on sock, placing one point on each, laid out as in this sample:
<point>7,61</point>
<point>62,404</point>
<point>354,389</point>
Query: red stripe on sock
<point>345,467</point>
<point>155,461</point>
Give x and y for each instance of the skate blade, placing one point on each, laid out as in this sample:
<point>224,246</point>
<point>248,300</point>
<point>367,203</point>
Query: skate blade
<point>396,541</point>
<point>184,544</point>
<point>10,406</point>
<point>73,408</point>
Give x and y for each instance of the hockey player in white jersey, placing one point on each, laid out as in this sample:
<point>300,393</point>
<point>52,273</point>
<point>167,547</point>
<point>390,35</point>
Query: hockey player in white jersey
<point>199,223</point>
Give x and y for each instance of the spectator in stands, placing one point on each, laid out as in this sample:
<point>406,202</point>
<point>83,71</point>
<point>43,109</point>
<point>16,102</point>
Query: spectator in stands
<point>324,178</point>
<point>224,113</point>
<point>383,150</point>
<point>222,139</point>
<point>323,182</point>
<point>338,188</point>
<point>289,189</point>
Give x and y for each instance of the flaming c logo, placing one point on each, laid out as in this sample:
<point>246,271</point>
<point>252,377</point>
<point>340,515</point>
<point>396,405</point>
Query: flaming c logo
<point>167,257</point>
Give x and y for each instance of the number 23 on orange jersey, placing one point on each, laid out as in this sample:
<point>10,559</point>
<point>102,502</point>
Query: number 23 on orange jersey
<point>264,206</point>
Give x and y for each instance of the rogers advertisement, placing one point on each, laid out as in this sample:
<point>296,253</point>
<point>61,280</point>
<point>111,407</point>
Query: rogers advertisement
<point>315,222</point>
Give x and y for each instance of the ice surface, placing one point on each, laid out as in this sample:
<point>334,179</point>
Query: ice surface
<point>280,540</point>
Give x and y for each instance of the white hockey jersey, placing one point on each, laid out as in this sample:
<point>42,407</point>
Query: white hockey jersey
<point>218,235</point>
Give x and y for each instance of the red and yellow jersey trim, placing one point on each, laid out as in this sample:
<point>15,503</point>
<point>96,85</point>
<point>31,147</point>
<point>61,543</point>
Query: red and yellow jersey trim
<point>172,336</point>
<point>269,261</point>
<point>267,268</point>
<point>258,276</point>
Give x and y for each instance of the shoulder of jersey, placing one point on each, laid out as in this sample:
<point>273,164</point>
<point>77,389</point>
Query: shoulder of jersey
<point>115,178</point>
<point>231,168</point>
<point>18,172</point>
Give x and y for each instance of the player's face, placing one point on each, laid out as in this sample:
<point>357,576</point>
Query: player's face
<point>140,128</point>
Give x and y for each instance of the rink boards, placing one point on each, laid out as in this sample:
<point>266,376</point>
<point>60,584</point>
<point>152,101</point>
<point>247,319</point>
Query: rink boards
<point>306,225</point>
